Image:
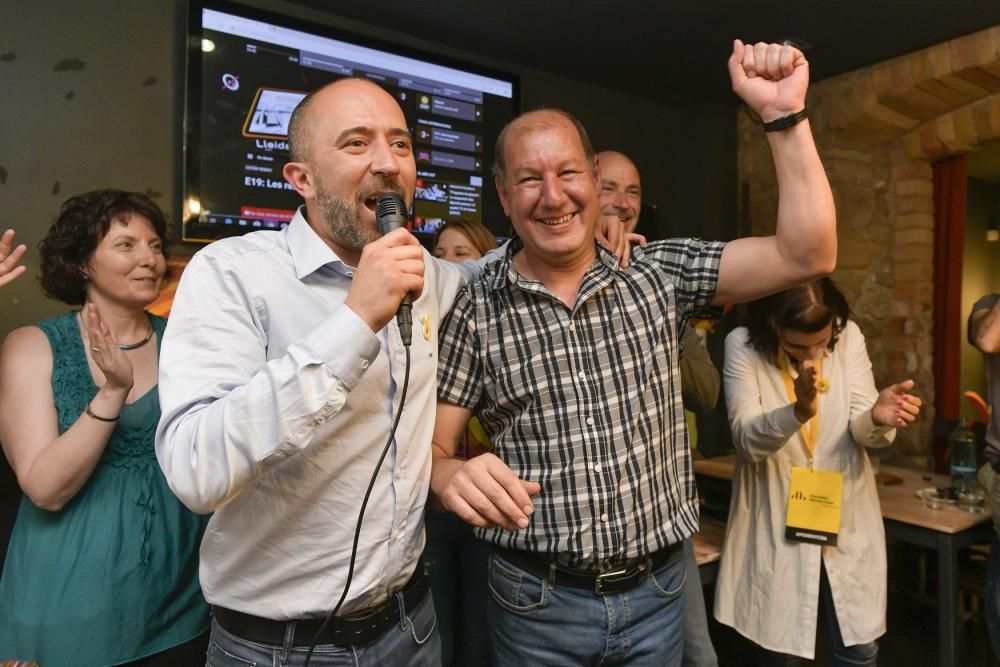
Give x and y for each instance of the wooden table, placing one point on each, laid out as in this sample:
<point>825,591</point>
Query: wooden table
<point>944,530</point>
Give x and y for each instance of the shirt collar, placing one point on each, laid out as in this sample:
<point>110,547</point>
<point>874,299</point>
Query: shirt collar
<point>505,271</point>
<point>310,252</point>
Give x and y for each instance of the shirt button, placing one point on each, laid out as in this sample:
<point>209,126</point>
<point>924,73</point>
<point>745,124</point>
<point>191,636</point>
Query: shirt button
<point>597,467</point>
<point>581,375</point>
<point>350,274</point>
<point>590,421</point>
<point>604,517</point>
<point>364,363</point>
<point>572,326</point>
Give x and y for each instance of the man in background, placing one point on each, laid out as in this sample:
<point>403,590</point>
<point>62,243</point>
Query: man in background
<point>620,197</point>
<point>984,333</point>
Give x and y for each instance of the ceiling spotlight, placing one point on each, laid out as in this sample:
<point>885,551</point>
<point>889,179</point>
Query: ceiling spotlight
<point>207,45</point>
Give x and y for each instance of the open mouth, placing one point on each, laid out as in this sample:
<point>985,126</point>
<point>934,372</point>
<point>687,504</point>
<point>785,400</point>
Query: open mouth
<point>370,201</point>
<point>552,222</point>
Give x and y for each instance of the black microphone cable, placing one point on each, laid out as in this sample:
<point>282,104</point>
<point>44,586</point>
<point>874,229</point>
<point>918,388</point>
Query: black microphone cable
<point>364,505</point>
<point>390,214</point>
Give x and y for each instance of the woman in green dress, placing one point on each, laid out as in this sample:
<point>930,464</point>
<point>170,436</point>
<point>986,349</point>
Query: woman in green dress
<point>102,567</point>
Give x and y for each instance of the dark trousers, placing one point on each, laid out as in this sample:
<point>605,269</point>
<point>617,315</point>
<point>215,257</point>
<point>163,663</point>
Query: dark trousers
<point>458,564</point>
<point>188,654</point>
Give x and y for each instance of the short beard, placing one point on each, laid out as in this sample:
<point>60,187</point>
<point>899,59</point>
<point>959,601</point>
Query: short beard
<point>343,220</point>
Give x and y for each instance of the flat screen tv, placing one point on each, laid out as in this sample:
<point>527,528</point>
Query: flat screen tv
<point>246,71</point>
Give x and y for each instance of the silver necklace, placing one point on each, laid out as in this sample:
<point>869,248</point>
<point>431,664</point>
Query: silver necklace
<point>142,342</point>
<point>131,346</point>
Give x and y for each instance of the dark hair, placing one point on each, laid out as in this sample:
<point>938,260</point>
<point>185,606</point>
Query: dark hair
<point>298,135</point>
<point>481,238</point>
<point>71,241</point>
<point>523,125</point>
<point>807,308</point>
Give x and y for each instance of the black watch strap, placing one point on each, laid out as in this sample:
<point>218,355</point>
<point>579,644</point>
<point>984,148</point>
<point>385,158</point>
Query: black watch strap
<point>785,122</point>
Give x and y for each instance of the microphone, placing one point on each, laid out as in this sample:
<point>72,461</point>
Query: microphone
<point>390,214</point>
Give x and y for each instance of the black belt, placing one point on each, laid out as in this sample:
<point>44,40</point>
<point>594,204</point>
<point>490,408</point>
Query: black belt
<point>618,580</point>
<point>355,629</point>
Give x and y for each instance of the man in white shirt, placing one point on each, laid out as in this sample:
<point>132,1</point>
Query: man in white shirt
<point>280,374</point>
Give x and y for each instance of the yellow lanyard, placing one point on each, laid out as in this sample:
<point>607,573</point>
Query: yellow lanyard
<point>810,430</point>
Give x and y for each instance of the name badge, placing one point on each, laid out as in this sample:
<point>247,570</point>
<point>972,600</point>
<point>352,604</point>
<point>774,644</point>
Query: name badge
<point>814,506</point>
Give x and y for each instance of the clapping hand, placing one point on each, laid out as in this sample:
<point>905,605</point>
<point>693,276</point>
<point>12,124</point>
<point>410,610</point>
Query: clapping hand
<point>806,392</point>
<point>112,361</point>
<point>9,258</point>
<point>895,406</point>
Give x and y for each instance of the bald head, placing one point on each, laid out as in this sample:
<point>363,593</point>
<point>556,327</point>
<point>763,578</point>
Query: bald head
<point>620,193</point>
<point>535,121</point>
<point>302,122</point>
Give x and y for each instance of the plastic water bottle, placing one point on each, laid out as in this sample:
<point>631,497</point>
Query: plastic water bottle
<point>962,444</point>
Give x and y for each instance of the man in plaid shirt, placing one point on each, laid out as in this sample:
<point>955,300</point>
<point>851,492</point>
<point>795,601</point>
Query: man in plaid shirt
<point>570,362</point>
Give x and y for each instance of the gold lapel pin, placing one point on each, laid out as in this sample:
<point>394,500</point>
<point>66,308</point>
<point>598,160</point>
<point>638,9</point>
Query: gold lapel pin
<point>425,322</point>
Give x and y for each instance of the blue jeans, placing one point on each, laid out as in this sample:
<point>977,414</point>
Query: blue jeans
<point>861,655</point>
<point>698,649</point>
<point>534,622</point>
<point>458,562</point>
<point>413,641</point>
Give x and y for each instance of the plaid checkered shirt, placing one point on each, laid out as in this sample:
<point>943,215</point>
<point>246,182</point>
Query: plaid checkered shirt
<point>586,400</point>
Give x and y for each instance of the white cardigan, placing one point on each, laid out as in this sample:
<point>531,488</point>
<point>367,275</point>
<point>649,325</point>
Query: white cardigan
<point>768,587</point>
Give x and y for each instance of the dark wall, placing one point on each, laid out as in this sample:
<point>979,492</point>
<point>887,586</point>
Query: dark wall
<point>94,93</point>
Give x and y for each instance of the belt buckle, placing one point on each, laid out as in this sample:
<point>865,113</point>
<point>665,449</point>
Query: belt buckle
<point>615,576</point>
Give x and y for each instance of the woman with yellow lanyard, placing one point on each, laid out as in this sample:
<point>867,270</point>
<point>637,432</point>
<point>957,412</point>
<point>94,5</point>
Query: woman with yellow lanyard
<point>805,526</point>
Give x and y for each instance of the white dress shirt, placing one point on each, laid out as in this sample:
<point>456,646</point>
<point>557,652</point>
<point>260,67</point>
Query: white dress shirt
<point>768,587</point>
<point>277,400</point>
